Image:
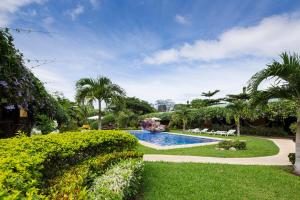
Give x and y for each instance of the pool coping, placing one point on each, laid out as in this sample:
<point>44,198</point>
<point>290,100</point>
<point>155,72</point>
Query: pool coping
<point>159,147</point>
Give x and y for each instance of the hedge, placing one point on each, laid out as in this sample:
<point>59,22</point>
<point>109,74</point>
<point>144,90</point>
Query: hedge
<point>120,182</point>
<point>73,183</point>
<point>237,144</point>
<point>27,162</point>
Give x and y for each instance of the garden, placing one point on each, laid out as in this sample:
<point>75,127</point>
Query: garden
<point>55,148</point>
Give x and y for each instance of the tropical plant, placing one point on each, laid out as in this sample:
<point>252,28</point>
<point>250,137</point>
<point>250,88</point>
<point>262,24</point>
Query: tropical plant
<point>45,124</point>
<point>209,94</point>
<point>237,109</point>
<point>286,86</point>
<point>100,89</point>
<point>182,115</point>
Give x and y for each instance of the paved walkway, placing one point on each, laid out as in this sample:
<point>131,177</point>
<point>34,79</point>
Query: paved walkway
<point>286,146</point>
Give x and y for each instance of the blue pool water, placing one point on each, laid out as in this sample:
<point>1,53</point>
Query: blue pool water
<point>166,139</point>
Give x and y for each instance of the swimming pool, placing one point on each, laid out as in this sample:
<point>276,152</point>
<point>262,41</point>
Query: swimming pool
<point>165,139</point>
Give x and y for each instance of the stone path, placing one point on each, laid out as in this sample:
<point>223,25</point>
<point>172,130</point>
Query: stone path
<point>286,146</point>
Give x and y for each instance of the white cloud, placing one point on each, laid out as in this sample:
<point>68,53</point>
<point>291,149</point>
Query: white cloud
<point>8,7</point>
<point>78,10</point>
<point>95,3</point>
<point>164,56</point>
<point>181,20</point>
<point>186,83</point>
<point>53,81</point>
<point>48,20</point>
<point>270,37</point>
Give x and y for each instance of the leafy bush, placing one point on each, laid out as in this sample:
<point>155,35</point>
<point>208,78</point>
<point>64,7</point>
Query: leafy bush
<point>73,182</point>
<point>110,118</point>
<point>264,131</point>
<point>293,127</point>
<point>27,162</point>
<point>120,182</point>
<point>70,126</point>
<point>237,144</point>
<point>292,158</point>
<point>45,124</point>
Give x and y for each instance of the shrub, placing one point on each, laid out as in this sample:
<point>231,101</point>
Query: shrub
<point>45,124</point>
<point>109,118</point>
<point>292,158</point>
<point>264,131</point>
<point>27,162</point>
<point>227,144</point>
<point>73,182</point>
<point>120,182</point>
<point>293,127</point>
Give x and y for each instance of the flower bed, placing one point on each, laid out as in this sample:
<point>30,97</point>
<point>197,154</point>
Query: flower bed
<point>119,182</point>
<point>26,163</point>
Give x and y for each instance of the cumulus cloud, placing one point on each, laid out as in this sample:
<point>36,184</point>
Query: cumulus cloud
<point>8,7</point>
<point>270,37</point>
<point>181,20</point>
<point>78,10</point>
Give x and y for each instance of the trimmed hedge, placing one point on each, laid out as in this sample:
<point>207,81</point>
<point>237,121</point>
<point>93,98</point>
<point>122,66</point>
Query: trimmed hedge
<point>119,182</point>
<point>264,131</point>
<point>27,162</point>
<point>73,182</point>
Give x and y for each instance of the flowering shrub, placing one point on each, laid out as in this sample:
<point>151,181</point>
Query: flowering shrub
<point>27,162</point>
<point>120,182</point>
<point>152,125</point>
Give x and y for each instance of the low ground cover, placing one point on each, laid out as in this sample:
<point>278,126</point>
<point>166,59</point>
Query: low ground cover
<point>255,147</point>
<point>217,181</point>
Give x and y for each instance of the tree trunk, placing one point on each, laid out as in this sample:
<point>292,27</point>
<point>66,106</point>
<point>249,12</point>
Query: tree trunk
<point>99,116</point>
<point>237,123</point>
<point>297,156</point>
<point>183,126</point>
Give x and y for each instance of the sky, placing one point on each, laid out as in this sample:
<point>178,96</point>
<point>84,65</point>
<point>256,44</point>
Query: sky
<point>154,49</point>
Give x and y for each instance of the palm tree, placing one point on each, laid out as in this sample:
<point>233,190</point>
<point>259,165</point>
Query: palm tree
<point>209,94</point>
<point>238,109</point>
<point>287,86</point>
<point>100,89</point>
<point>183,115</point>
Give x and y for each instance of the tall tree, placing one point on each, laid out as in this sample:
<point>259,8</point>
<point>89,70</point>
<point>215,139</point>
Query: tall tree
<point>286,86</point>
<point>100,89</point>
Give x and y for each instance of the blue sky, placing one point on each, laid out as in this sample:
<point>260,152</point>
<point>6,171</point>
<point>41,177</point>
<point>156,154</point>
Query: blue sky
<point>154,49</point>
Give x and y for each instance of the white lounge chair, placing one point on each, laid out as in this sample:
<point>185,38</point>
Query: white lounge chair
<point>219,132</point>
<point>196,130</point>
<point>230,132</point>
<point>225,133</point>
<point>204,130</point>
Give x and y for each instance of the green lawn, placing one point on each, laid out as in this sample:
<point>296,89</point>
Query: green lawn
<point>255,147</point>
<point>215,181</point>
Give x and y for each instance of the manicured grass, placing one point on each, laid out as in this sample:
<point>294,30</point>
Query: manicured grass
<point>255,147</point>
<point>215,181</point>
